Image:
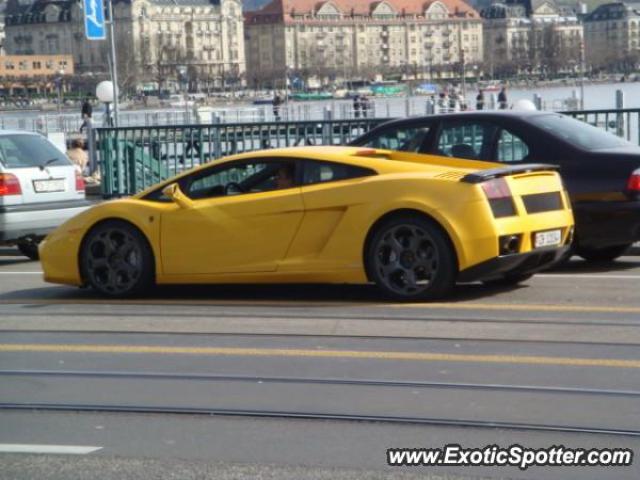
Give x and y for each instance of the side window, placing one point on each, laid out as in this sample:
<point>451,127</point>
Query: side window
<point>320,172</point>
<point>511,148</point>
<point>242,178</point>
<point>470,140</point>
<point>407,139</point>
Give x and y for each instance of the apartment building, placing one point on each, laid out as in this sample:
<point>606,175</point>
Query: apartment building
<point>334,39</point>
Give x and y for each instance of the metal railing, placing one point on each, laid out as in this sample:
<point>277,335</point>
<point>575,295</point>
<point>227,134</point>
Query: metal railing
<point>624,123</point>
<point>134,158</point>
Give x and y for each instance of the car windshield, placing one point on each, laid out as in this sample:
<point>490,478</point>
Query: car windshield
<point>24,151</point>
<point>577,133</point>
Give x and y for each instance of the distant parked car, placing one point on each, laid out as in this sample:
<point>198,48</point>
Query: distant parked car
<point>601,171</point>
<point>39,190</point>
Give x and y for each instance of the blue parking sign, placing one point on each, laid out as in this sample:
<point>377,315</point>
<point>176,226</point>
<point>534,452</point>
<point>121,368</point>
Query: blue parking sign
<point>94,24</point>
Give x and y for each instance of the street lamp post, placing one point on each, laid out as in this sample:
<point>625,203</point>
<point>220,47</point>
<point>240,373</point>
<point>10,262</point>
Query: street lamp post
<point>183,77</point>
<point>114,62</point>
<point>59,84</point>
<point>105,93</point>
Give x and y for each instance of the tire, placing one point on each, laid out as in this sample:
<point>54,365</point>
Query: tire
<point>512,279</point>
<point>116,260</point>
<point>602,254</point>
<point>29,248</point>
<point>410,258</point>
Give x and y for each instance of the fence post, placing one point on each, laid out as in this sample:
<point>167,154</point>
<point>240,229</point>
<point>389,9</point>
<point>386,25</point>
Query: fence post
<point>217,148</point>
<point>537,101</point>
<point>493,101</point>
<point>430,106</point>
<point>620,116</point>
<point>91,147</point>
<point>327,126</point>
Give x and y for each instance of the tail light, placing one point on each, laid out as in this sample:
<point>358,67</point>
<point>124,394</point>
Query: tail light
<point>79,182</point>
<point>500,198</point>
<point>633,185</point>
<point>9,185</point>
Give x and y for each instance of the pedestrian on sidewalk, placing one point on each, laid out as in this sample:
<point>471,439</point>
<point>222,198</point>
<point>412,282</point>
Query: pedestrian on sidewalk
<point>356,106</point>
<point>78,156</point>
<point>502,99</point>
<point>277,101</point>
<point>480,100</point>
<point>86,112</point>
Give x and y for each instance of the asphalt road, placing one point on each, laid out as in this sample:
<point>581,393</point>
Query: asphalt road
<point>314,381</point>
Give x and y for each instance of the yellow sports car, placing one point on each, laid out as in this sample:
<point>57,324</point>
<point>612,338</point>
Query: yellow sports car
<point>413,224</point>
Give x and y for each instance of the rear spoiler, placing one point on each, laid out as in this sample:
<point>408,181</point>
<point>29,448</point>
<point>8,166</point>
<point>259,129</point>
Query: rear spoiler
<point>484,175</point>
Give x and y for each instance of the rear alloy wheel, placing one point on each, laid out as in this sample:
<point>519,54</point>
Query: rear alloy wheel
<point>602,254</point>
<point>410,258</point>
<point>116,260</point>
<point>29,248</point>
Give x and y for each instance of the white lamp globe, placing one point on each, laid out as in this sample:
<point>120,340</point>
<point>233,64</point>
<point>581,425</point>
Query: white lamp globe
<point>524,105</point>
<point>104,91</point>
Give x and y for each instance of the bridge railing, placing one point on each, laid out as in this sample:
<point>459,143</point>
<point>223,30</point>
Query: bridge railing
<point>134,158</point>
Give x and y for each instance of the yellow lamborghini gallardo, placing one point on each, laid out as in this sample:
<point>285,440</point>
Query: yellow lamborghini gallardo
<point>412,224</point>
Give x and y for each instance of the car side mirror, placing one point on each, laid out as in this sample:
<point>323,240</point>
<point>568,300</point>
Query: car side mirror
<point>176,195</point>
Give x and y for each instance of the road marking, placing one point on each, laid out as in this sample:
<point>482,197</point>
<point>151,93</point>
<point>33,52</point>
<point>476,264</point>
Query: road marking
<point>21,273</point>
<point>50,449</point>
<point>355,354</point>
<point>589,276</point>
<point>518,307</point>
<point>308,304</point>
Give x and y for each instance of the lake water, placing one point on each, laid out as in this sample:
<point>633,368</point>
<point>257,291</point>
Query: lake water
<point>597,96</point>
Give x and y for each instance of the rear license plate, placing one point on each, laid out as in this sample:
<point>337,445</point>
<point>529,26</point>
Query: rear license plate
<point>547,239</point>
<point>48,186</point>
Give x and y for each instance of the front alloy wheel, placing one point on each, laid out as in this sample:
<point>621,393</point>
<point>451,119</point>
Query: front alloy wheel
<point>409,258</point>
<point>116,259</point>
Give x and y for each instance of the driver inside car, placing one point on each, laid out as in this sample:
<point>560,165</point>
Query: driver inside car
<point>284,178</point>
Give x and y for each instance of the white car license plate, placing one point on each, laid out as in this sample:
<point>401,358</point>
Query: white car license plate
<point>547,239</point>
<point>48,186</point>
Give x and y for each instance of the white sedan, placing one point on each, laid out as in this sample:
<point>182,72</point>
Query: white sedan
<point>39,190</point>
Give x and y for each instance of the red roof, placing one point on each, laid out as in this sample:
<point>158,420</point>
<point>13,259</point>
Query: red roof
<point>280,8</point>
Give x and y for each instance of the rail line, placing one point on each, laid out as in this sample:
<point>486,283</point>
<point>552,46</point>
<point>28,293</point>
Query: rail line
<point>63,407</point>
<point>476,320</point>
<point>309,335</point>
<point>316,381</point>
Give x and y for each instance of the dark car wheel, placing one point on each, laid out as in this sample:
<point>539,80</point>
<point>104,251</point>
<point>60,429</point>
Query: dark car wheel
<point>116,260</point>
<point>29,248</point>
<point>602,254</point>
<point>512,279</point>
<point>410,258</point>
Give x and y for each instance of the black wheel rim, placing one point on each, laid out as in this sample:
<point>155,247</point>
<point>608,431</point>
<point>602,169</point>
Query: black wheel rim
<point>406,259</point>
<point>113,261</point>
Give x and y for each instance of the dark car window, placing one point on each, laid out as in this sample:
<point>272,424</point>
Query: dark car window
<point>577,133</point>
<point>241,178</point>
<point>470,140</point>
<point>511,148</point>
<point>24,151</point>
<point>321,172</point>
<point>402,138</point>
